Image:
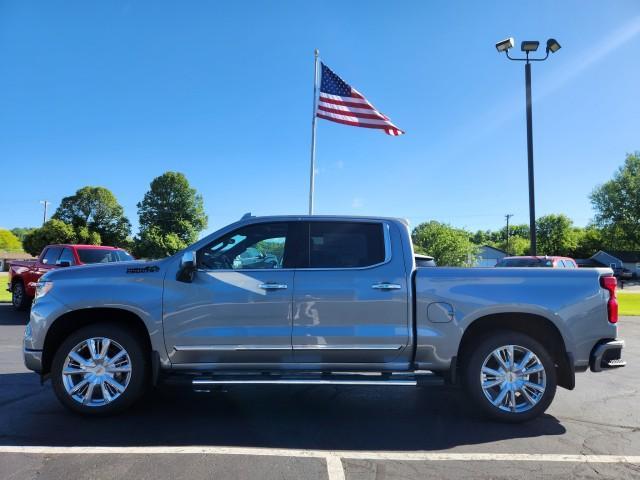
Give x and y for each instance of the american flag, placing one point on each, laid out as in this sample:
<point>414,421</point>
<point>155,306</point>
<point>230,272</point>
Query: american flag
<point>340,102</point>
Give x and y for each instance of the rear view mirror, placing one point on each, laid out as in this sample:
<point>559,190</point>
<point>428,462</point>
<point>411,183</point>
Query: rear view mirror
<point>188,266</point>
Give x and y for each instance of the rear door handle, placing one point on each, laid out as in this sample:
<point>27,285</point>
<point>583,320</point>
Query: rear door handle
<point>386,286</point>
<point>273,286</point>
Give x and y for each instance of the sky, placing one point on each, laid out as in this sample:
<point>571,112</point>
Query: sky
<point>116,93</point>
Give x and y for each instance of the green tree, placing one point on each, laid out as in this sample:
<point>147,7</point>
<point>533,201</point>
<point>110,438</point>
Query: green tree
<point>517,245</point>
<point>171,216</point>
<point>20,232</point>
<point>9,242</point>
<point>518,239</point>
<point>96,209</point>
<point>556,235</point>
<point>588,242</point>
<point>87,237</point>
<point>54,231</point>
<point>449,246</point>
<point>617,206</point>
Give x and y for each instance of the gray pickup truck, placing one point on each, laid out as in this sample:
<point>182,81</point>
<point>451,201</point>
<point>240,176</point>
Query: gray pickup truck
<point>341,302</point>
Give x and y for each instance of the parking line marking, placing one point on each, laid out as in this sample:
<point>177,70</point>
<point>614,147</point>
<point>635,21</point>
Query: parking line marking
<point>335,470</point>
<point>326,454</point>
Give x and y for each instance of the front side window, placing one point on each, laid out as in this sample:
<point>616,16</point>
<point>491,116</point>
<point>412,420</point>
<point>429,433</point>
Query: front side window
<point>66,256</point>
<point>345,244</point>
<point>124,256</point>
<point>259,246</point>
<point>51,255</point>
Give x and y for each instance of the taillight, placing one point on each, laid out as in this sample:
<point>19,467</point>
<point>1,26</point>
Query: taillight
<point>609,284</point>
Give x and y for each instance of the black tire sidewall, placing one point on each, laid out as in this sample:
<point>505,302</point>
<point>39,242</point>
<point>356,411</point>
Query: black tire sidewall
<point>139,368</point>
<point>473,368</point>
<point>24,301</point>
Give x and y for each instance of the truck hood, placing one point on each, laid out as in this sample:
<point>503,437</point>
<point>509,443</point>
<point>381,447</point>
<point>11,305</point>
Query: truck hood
<point>107,270</point>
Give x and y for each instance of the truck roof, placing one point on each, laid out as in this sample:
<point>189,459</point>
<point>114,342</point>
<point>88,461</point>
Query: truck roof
<point>79,245</point>
<point>321,217</point>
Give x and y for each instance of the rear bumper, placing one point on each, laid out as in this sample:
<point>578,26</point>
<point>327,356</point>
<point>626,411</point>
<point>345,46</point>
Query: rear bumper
<point>607,354</point>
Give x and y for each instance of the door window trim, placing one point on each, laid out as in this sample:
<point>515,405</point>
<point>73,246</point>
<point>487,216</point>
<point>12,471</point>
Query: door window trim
<point>388,254</point>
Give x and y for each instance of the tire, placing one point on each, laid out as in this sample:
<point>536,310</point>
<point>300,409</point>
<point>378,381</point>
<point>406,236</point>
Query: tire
<point>128,372</point>
<point>19,297</point>
<point>532,392</point>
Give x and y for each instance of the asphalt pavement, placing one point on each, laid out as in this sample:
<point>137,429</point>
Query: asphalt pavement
<point>319,432</point>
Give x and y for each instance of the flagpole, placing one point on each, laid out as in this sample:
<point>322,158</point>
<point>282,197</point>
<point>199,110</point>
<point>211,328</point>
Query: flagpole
<point>312,172</point>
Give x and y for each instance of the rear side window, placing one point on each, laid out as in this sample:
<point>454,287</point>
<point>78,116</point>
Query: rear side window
<point>96,255</point>
<point>51,255</point>
<point>345,245</point>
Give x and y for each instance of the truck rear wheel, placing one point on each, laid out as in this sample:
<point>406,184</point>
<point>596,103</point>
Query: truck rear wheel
<point>100,369</point>
<point>511,377</point>
<point>19,297</point>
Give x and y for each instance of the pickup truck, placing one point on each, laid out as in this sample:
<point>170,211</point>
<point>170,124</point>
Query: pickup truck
<point>343,304</point>
<point>24,275</point>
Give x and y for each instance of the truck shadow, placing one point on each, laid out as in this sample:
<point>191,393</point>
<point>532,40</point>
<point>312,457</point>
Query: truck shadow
<point>11,316</point>
<point>319,417</point>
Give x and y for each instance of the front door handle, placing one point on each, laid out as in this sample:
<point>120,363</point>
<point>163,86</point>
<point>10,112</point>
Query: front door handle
<point>386,286</point>
<point>273,286</point>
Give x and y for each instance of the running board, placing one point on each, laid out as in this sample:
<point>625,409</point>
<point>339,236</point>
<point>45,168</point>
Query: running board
<point>396,380</point>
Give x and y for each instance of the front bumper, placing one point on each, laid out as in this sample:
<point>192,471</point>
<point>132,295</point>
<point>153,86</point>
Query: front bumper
<point>33,359</point>
<point>607,354</point>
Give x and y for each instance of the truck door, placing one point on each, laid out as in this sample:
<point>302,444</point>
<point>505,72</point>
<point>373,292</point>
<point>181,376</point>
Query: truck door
<point>234,311</point>
<point>350,303</point>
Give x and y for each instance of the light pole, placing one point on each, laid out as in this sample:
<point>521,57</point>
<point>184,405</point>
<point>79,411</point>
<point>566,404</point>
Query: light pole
<point>44,216</point>
<point>508,216</point>
<point>527,47</point>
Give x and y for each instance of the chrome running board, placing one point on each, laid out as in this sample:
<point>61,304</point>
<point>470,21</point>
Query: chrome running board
<point>400,379</point>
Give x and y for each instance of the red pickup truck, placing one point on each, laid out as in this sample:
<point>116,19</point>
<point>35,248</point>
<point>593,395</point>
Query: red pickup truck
<point>24,275</point>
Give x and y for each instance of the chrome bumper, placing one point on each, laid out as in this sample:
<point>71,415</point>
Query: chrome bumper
<point>607,354</point>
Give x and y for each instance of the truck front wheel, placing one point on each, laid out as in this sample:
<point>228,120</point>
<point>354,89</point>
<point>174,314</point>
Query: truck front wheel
<point>100,369</point>
<point>510,376</point>
<point>19,297</point>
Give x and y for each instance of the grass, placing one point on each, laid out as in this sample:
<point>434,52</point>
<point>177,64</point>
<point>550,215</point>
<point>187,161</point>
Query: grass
<point>4,295</point>
<point>629,303</point>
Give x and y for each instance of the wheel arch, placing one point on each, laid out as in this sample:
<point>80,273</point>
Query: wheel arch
<point>536,326</point>
<point>69,322</point>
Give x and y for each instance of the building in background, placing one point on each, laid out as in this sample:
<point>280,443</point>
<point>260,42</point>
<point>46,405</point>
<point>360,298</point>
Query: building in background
<point>488,256</point>
<point>619,259</point>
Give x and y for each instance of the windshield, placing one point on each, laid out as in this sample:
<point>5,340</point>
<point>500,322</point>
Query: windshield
<point>97,255</point>
<point>525,262</point>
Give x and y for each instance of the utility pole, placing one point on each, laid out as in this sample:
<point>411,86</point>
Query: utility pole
<point>44,216</point>
<point>508,216</point>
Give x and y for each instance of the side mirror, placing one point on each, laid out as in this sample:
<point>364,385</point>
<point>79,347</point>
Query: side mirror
<point>188,266</point>
<point>63,263</point>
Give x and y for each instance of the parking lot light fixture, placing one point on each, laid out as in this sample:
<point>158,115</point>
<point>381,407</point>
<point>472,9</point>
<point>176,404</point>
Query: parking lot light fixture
<point>529,46</point>
<point>504,45</point>
<point>552,45</point>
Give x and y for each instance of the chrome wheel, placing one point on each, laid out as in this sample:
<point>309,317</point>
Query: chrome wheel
<point>96,371</point>
<point>513,378</point>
